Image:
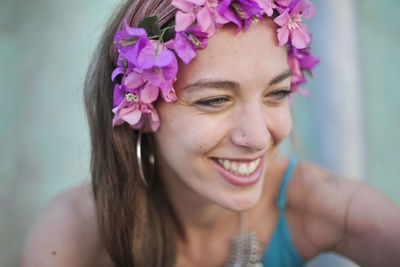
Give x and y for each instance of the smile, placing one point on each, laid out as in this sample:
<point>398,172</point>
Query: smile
<point>239,167</point>
<point>240,172</point>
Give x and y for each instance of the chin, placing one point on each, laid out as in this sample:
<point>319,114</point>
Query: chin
<point>241,199</point>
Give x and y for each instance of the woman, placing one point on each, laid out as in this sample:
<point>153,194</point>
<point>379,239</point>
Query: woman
<point>197,181</point>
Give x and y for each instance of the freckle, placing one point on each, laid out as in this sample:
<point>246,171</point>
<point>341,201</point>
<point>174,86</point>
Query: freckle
<point>53,253</point>
<point>201,147</point>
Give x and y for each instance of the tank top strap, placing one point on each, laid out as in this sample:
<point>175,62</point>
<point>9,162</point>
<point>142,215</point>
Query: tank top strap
<point>286,178</point>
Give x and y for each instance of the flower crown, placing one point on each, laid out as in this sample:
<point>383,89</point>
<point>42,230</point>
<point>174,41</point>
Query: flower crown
<point>148,54</point>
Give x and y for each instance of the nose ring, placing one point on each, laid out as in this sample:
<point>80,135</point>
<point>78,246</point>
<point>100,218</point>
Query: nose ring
<point>242,134</point>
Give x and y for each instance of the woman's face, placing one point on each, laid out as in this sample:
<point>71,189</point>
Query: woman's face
<point>232,113</point>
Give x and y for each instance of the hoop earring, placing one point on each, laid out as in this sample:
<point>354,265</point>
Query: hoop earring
<point>139,159</point>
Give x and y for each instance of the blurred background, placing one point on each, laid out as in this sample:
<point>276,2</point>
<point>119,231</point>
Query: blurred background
<point>350,123</point>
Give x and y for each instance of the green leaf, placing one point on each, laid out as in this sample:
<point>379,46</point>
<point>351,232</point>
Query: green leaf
<point>151,25</point>
<point>169,35</point>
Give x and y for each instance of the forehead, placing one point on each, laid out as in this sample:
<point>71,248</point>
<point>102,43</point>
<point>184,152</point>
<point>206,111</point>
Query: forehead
<point>251,56</point>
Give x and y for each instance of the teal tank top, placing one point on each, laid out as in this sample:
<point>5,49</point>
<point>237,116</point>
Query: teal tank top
<point>280,251</point>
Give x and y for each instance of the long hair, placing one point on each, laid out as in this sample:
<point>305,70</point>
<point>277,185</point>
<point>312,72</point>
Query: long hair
<point>135,222</point>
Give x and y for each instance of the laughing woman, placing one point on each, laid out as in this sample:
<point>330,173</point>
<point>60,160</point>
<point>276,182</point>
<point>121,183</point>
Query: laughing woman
<point>188,103</point>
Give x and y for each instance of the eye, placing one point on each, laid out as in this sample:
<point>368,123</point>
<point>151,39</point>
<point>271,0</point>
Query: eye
<point>277,96</point>
<point>213,103</point>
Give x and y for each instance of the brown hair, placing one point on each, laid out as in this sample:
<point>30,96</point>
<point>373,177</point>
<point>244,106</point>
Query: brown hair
<point>135,221</point>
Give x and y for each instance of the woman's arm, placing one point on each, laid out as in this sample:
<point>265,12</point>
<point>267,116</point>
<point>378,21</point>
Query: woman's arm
<point>372,230</point>
<point>65,234</point>
<point>345,216</point>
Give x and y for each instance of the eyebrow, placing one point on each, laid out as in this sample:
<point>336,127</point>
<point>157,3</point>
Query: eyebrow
<point>282,76</point>
<point>220,84</point>
<point>227,84</point>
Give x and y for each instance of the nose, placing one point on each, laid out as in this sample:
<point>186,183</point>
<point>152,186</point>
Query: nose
<point>251,129</point>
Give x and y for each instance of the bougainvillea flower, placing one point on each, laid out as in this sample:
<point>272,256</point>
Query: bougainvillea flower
<point>292,26</point>
<point>136,115</point>
<point>154,55</point>
<point>297,75</point>
<point>183,48</point>
<point>284,3</point>
<point>134,80</point>
<point>163,77</point>
<point>306,59</point>
<point>299,60</point>
<point>130,41</point>
<point>168,94</point>
<point>119,95</point>
<point>203,12</point>
<point>159,64</point>
<point>186,43</point>
<point>267,6</point>
<point>149,93</point>
<point>235,11</point>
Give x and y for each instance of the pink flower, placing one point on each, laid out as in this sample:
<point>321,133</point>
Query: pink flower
<point>292,25</point>
<point>297,74</point>
<point>168,94</point>
<point>267,6</point>
<point>130,41</point>
<point>136,115</point>
<point>300,60</point>
<point>204,12</point>
<point>185,50</point>
<point>284,3</point>
<point>159,66</point>
<point>238,10</point>
<point>186,43</point>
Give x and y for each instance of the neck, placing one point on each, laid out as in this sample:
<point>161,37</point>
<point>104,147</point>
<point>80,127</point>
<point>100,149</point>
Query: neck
<point>197,214</point>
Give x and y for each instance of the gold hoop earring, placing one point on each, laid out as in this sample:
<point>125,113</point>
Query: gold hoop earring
<point>140,161</point>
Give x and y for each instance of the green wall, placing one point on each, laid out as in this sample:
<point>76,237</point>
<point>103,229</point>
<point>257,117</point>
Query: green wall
<point>380,57</point>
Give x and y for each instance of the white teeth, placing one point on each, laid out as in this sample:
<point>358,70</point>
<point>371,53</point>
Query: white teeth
<point>234,167</point>
<point>227,164</point>
<point>252,166</point>
<point>242,168</point>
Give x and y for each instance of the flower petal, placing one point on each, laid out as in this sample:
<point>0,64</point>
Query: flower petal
<point>133,80</point>
<point>184,48</point>
<point>131,115</point>
<point>300,37</point>
<point>135,32</point>
<point>168,94</point>
<point>116,72</point>
<point>283,18</point>
<point>163,77</point>
<point>267,6</point>
<point>183,21</point>
<point>204,21</point>
<point>283,35</point>
<point>146,59</point>
<point>119,95</point>
<point>133,51</point>
<point>149,93</point>
<point>183,5</point>
<point>284,3</point>
<point>164,58</point>
<point>305,8</point>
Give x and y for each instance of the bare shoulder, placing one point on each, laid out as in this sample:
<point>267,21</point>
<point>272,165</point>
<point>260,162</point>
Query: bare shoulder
<point>65,233</point>
<point>342,215</point>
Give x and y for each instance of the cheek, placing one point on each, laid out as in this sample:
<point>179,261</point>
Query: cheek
<point>280,124</point>
<point>184,130</point>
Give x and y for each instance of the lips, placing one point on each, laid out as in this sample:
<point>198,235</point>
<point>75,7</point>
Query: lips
<point>239,167</point>
<point>240,172</point>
